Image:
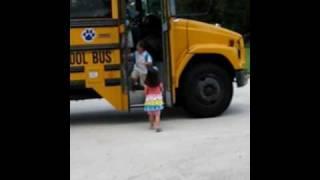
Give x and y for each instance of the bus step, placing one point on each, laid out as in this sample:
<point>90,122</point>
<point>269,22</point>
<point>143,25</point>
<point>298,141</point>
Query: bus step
<point>137,106</point>
<point>137,98</point>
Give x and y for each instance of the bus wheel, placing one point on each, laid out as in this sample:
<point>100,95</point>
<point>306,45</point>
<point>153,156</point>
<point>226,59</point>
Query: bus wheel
<point>207,90</point>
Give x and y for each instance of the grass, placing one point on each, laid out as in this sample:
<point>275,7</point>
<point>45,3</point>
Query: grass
<point>248,58</point>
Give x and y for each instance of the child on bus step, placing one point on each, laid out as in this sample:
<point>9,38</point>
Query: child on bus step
<point>143,60</point>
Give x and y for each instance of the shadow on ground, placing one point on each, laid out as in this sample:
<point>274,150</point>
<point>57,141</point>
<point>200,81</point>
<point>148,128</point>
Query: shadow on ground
<point>113,117</point>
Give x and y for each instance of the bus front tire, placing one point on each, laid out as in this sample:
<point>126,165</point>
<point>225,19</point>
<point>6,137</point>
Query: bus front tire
<point>207,90</point>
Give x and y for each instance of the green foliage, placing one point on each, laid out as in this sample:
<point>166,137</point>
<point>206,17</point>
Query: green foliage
<point>232,14</point>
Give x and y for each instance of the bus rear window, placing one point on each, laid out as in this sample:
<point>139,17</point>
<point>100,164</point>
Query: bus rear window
<point>90,9</point>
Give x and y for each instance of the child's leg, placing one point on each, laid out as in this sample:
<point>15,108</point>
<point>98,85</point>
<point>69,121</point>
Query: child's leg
<point>134,78</point>
<point>151,120</point>
<point>142,79</point>
<point>157,121</point>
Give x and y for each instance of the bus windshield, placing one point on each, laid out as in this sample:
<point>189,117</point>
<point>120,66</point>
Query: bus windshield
<point>90,9</point>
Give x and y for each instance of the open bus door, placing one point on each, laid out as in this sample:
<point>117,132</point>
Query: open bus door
<point>154,31</point>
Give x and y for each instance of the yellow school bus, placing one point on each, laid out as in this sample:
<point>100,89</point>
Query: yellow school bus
<point>198,62</point>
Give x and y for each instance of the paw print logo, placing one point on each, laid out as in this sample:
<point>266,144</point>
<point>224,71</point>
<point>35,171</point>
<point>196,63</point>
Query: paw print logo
<point>88,34</point>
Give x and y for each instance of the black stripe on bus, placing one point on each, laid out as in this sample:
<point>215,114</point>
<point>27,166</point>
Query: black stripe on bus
<point>77,23</point>
<point>112,82</point>
<point>81,84</point>
<point>94,47</point>
<point>77,84</point>
<point>76,69</point>
<point>112,67</point>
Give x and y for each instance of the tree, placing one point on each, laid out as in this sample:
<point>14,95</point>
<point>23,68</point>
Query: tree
<point>232,14</point>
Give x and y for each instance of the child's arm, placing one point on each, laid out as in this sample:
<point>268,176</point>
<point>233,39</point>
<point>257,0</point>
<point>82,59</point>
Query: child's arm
<point>149,60</point>
<point>148,63</point>
<point>145,89</point>
<point>161,87</point>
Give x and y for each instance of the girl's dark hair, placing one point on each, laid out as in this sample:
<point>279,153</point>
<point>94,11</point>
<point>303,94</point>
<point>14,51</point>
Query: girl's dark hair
<point>152,79</point>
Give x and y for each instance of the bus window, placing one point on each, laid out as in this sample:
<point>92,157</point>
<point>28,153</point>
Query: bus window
<point>192,7</point>
<point>153,7</point>
<point>90,9</point>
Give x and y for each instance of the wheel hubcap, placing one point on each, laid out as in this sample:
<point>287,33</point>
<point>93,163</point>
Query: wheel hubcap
<point>209,89</point>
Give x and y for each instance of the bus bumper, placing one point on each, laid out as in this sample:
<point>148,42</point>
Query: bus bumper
<point>242,78</point>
